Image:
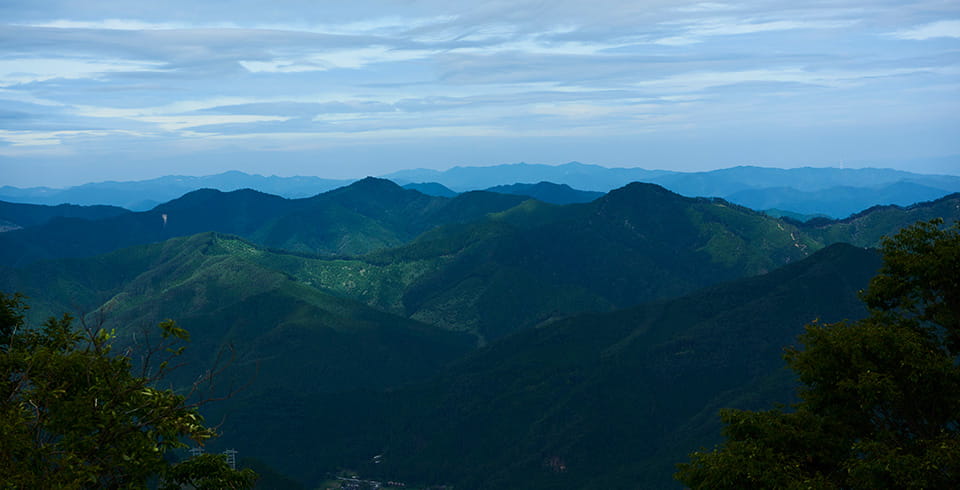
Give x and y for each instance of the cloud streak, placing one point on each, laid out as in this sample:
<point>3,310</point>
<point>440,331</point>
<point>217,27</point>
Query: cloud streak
<point>933,30</point>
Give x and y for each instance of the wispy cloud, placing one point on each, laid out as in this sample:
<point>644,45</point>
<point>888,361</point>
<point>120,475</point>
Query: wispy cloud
<point>332,59</point>
<point>176,123</point>
<point>701,30</point>
<point>933,30</point>
<point>49,138</point>
<point>110,24</point>
<point>26,70</point>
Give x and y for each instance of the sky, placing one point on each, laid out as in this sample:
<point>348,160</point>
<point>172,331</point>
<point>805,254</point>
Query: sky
<point>119,90</point>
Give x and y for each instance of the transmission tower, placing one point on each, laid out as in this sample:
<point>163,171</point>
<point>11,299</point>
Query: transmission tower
<point>231,458</point>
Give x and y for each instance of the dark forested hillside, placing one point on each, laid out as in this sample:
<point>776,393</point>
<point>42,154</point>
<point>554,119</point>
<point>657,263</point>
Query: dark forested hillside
<point>548,192</point>
<point>595,401</point>
<point>431,189</point>
<point>276,327</point>
<point>537,262</point>
<point>867,227</point>
<point>26,215</point>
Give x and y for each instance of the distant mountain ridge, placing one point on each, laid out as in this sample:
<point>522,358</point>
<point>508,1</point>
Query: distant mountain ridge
<point>807,190</point>
<point>574,174</point>
<point>145,194</point>
<point>841,201</point>
<point>834,192</point>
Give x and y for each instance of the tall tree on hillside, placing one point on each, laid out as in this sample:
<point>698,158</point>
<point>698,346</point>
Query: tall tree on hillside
<point>74,415</point>
<point>880,403</point>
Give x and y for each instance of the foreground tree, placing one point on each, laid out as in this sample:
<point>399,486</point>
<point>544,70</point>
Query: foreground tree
<point>74,415</point>
<point>880,403</point>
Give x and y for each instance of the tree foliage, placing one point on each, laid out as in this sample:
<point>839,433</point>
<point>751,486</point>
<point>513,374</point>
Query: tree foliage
<point>880,403</point>
<point>73,414</point>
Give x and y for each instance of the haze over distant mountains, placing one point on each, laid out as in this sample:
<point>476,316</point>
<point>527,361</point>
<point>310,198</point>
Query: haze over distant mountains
<point>145,194</point>
<point>829,191</point>
<point>802,191</point>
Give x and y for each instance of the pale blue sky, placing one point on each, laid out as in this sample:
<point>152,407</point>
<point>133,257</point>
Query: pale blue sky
<point>99,90</point>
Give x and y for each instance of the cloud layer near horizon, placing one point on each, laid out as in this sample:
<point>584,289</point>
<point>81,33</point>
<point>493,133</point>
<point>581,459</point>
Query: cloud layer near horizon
<point>103,88</point>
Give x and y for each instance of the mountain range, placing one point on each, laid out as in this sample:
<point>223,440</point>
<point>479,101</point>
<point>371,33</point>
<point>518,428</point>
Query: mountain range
<point>365,216</point>
<point>831,192</point>
<point>484,340</point>
<point>483,263</point>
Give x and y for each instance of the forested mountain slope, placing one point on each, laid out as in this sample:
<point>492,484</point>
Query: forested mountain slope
<point>18,215</point>
<point>594,401</point>
<point>276,328</point>
<point>867,227</point>
<point>537,262</point>
<point>548,192</point>
<point>485,263</point>
<point>362,217</point>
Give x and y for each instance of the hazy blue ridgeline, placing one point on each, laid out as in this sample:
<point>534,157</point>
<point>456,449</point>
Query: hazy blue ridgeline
<point>806,191</point>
